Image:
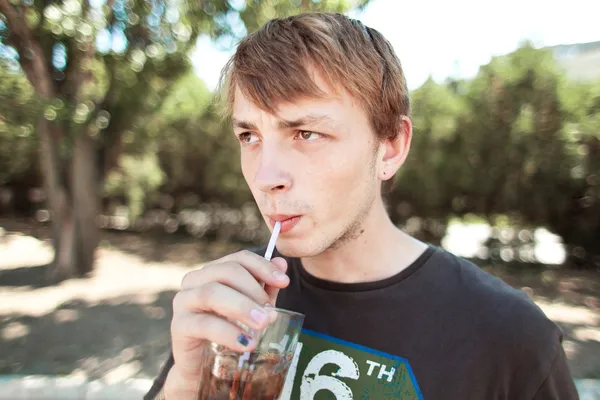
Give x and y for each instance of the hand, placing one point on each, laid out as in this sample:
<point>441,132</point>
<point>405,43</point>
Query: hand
<point>225,290</point>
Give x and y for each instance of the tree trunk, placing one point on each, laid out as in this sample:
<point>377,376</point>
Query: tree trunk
<point>56,197</point>
<point>71,183</point>
<point>73,202</point>
<point>85,185</point>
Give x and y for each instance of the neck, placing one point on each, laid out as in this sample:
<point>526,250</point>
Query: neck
<point>380,251</point>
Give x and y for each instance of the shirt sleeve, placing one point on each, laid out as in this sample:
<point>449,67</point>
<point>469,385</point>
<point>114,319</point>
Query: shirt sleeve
<point>159,382</point>
<point>559,384</point>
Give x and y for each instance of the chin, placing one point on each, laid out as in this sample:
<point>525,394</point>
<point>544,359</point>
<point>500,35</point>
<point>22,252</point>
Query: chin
<point>299,248</point>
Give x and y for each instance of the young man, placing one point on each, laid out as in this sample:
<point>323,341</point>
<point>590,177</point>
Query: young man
<point>320,106</point>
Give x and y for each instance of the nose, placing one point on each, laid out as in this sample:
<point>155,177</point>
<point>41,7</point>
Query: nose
<point>272,175</point>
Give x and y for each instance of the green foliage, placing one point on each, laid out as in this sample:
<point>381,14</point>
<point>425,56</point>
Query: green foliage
<point>435,117</point>
<point>18,141</point>
<point>518,142</point>
<point>112,64</point>
<point>136,179</point>
<point>195,149</point>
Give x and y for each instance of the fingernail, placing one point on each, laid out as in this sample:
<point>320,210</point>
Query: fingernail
<point>243,339</point>
<point>280,276</point>
<point>258,316</point>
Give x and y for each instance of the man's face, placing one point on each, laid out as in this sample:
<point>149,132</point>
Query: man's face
<point>311,166</point>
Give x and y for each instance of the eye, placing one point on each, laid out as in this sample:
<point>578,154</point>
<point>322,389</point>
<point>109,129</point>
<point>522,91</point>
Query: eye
<point>308,135</point>
<point>247,138</point>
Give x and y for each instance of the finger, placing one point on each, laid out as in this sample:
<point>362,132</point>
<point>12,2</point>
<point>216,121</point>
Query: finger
<point>209,327</point>
<point>217,298</point>
<point>230,274</point>
<point>263,270</point>
<point>273,291</point>
<point>280,263</point>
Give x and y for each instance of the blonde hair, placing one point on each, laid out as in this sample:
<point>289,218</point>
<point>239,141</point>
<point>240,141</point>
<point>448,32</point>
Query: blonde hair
<point>273,64</point>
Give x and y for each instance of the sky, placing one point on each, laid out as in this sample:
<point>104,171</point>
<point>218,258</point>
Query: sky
<point>452,38</point>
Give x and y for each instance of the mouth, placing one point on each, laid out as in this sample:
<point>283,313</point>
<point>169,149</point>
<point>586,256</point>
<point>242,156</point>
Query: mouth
<point>287,221</point>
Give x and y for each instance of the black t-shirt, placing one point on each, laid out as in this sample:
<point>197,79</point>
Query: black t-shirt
<point>440,329</point>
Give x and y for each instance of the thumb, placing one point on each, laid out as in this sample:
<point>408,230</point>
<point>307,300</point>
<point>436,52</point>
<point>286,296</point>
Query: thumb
<point>273,291</point>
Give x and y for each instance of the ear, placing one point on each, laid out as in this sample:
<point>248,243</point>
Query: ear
<point>395,151</point>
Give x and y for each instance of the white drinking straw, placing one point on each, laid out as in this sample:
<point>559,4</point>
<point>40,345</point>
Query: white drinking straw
<point>271,245</point>
<point>268,255</point>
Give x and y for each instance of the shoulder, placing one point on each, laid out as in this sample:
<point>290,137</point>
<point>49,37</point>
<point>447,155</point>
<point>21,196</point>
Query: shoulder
<point>509,310</point>
<point>466,282</point>
<point>503,319</point>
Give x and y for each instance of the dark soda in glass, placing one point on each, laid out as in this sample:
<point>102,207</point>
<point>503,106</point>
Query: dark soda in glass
<point>232,376</point>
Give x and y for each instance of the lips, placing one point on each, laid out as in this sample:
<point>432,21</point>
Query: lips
<point>287,221</point>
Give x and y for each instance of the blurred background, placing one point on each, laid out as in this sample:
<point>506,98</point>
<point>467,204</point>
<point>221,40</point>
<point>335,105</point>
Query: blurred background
<point>117,175</point>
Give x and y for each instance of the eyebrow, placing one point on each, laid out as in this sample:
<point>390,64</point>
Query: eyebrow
<point>243,124</point>
<point>285,124</point>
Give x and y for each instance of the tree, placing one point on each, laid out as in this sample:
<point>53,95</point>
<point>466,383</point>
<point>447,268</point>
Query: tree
<point>426,182</point>
<point>519,141</point>
<point>99,67</point>
<point>530,142</point>
<point>17,144</point>
<point>196,152</point>
<point>576,216</point>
